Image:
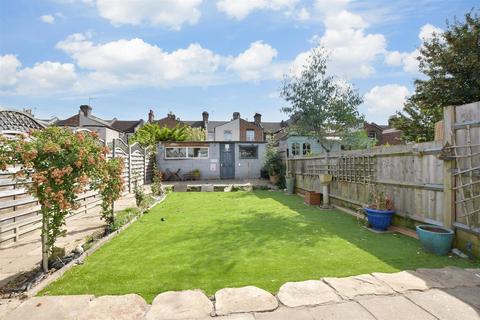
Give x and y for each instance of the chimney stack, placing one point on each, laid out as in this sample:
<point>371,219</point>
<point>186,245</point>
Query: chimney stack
<point>236,115</point>
<point>86,110</point>
<point>205,116</point>
<point>151,117</point>
<point>171,115</point>
<point>258,118</point>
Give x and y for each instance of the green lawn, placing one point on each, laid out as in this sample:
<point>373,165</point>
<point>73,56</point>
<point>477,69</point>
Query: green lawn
<point>216,240</point>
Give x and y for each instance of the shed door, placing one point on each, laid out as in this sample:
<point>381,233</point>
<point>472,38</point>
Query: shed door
<point>227,161</point>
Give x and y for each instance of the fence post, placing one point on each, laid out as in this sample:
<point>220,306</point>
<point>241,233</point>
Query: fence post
<point>145,163</point>
<point>448,167</point>
<point>129,168</point>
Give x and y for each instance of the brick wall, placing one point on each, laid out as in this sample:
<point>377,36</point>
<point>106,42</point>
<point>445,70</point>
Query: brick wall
<point>245,125</point>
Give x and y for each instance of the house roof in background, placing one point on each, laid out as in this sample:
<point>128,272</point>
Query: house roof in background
<point>12,120</point>
<point>127,126</point>
<point>73,121</point>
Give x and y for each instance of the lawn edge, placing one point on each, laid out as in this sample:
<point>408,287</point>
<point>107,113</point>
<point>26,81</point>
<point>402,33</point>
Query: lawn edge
<point>80,259</point>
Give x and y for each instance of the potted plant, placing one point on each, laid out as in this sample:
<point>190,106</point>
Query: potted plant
<point>274,166</point>
<point>435,239</point>
<point>196,174</point>
<point>379,210</point>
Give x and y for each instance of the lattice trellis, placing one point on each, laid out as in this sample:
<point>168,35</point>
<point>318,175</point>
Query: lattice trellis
<point>351,168</point>
<point>467,173</point>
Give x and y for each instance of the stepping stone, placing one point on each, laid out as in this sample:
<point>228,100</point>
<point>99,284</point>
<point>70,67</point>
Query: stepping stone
<point>236,316</point>
<point>470,295</point>
<point>341,311</point>
<point>246,299</point>
<point>285,314</point>
<point>306,293</point>
<point>450,277</point>
<point>364,284</point>
<point>443,306</point>
<point>189,304</point>
<point>394,307</point>
<point>405,281</point>
<point>50,307</point>
<point>130,306</point>
<point>207,188</point>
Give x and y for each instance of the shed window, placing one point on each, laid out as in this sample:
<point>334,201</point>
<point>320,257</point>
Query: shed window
<point>176,153</point>
<point>372,134</point>
<point>295,149</point>
<point>250,135</point>
<point>248,152</point>
<point>201,152</point>
<point>306,148</point>
<point>186,152</point>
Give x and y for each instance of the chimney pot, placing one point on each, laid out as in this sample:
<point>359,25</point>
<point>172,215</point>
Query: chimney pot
<point>151,116</point>
<point>86,110</point>
<point>205,116</point>
<point>236,115</point>
<point>258,118</point>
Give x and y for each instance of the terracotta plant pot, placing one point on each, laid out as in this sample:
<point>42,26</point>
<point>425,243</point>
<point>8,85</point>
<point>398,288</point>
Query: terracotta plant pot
<point>274,179</point>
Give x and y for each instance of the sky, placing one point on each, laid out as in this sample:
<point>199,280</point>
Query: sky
<point>125,57</point>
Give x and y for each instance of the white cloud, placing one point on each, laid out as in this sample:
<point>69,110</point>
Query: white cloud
<point>48,18</point>
<point>239,9</point>
<point>383,101</point>
<point>43,78</point>
<point>428,31</point>
<point>170,13</point>
<point>303,14</point>
<point>253,63</point>
<point>352,50</point>
<point>8,70</point>
<point>135,62</point>
<point>409,60</point>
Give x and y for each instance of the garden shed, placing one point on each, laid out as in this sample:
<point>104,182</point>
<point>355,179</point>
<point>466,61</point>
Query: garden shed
<point>213,160</point>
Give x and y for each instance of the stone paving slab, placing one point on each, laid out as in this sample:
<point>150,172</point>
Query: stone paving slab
<point>285,314</point>
<point>306,293</point>
<point>450,277</point>
<point>188,304</point>
<point>394,307</point>
<point>50,308</point>
<point>341,311</point>
<point>365,284</point>
<point>470,295</point>
<point>245,299</point>
<point>405,281</point>
<point>443,305</point>
<point>126,307</point>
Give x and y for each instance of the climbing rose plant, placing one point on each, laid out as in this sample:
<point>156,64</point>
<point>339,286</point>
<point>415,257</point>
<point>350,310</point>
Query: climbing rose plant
<point>61,165</point>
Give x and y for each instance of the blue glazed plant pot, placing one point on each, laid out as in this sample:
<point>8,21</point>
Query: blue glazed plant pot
<point>435,239</point>
<point>379,219</point>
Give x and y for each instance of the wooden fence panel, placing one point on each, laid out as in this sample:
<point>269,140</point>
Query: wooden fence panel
<point>411,174</point>
<point>20,212</point>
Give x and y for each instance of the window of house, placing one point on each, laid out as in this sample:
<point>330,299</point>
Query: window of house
<point>227,135</point>
<point>186,152</point>
<point>248,152</point>
<point>211,136</point>
<point>250,135</point>
<point>372,134</point>
<point>201,152</point>
<point>306,148</point>
<point>295,149</point>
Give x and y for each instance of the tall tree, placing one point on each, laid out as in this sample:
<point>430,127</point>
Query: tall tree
<point>451,63</point>
<point>321,105</point>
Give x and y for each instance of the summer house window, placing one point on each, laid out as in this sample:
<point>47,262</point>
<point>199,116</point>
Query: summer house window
<point>186,152</point>
<point>227,135</point>
<point>295,149</point>
<point>248,152</point>
<point>250,135</point>
<point>306,148</point>
<point>372,134</point>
